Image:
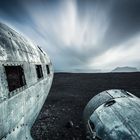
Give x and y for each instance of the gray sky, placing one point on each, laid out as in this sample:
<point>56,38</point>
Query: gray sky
<point>79,34</point>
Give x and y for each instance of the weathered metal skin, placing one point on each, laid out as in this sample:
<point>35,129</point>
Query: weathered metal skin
<point>19,108</point>
<point>113,115</point>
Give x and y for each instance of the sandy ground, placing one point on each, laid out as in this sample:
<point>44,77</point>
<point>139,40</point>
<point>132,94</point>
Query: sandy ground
<point>61,115</point>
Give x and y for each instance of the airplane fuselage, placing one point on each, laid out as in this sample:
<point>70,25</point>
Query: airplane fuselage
<point>25,79</point>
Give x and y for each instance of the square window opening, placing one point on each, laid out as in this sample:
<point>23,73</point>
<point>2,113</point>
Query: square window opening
<point>15,77</point>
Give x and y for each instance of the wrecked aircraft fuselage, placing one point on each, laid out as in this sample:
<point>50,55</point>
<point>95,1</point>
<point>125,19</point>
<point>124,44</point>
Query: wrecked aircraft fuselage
<point>25,79</point>
<point>113,115</point>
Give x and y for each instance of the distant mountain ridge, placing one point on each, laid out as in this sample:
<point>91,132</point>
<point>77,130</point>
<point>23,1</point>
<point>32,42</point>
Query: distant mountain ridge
<point>125,69</point>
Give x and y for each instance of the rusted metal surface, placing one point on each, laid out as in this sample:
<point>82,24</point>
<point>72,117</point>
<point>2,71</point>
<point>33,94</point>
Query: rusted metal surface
<point>19,108</point>
<point>115,114</point>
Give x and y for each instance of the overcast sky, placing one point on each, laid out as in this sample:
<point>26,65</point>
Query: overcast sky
<point>79,34</point>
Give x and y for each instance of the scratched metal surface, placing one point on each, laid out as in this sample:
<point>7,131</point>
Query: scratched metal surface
<point>19,109</point>
<point>119,121</point>
<point>101,98</point>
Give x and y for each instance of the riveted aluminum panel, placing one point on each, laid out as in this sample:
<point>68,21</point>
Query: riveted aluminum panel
<point>117,118</point>
<point>20,107</point>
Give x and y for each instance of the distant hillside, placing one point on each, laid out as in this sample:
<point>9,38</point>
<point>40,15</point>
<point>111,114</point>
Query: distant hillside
<point>125,69</point>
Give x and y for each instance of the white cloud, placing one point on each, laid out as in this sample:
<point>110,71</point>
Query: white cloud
<point>125,54</point>
<point>74,40</point>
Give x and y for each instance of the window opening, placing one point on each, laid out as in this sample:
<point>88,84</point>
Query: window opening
<point>39,71</point>
<point>48,69</point>
<point>15,77</point>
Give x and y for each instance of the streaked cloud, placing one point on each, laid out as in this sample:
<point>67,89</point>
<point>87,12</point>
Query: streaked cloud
<point>79,34</point>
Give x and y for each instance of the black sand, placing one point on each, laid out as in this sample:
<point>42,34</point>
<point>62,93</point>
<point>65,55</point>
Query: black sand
<point>69,95</point>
